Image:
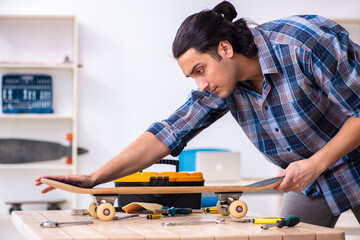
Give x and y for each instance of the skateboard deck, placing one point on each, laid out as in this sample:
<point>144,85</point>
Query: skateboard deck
<point>51,205</point>
<point>104,198</point>
<point>25,151</point>
<point>258,186</point>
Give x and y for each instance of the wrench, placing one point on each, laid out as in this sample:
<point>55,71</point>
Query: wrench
<point>220,220</point>
<point>51,224</point>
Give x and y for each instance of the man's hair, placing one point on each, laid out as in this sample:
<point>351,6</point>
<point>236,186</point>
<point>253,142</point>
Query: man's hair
<point>204,30</point>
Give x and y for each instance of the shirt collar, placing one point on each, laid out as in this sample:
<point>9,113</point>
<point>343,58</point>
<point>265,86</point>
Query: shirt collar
<point>267,57</point>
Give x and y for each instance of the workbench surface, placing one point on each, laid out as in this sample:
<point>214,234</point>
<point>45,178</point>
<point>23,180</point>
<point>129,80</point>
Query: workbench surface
<point>28,223</point>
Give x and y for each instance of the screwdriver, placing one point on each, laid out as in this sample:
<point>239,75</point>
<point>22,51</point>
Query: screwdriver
<point>289,222</point>
<point>263,220</point>
<point>172,211</point>
<point>57,224</point>
<point>210,210</point>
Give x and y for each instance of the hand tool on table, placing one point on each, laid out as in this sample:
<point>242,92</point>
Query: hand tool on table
<point>80,212</point>
<point>51,224</point>
<point>172,211</point>
<point>217,221</point>
<point>153,216</point>
<point>289,222</point>
<point>210,210</point>
<point>125,216</point>
<point>263,220</point>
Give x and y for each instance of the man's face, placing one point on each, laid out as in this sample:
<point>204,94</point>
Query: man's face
<point>210,74</point>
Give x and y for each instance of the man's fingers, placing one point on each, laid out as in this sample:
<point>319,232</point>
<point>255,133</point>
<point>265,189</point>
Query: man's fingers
<point>46,190</point>
<point>280,175</point>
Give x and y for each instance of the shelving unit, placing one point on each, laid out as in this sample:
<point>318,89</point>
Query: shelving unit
<point>42,45</point>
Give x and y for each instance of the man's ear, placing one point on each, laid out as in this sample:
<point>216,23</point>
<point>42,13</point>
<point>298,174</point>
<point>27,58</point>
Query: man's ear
<point>225,48</point>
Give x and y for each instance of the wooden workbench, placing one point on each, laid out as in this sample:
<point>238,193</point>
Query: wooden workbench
<point>28,223</point>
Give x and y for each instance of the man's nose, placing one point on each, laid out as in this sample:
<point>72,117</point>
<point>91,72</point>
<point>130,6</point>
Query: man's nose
<point>202,85</point>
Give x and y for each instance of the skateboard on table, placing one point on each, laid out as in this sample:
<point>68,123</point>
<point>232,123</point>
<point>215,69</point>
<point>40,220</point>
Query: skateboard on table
<point>104,198</point>
<point>51,205</point>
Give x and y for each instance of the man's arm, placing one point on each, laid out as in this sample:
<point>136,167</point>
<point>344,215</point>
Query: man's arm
<point>141,153</point>
<point>300,174</point>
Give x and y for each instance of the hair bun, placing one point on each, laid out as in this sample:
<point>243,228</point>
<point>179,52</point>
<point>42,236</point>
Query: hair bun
<point>226,9</point>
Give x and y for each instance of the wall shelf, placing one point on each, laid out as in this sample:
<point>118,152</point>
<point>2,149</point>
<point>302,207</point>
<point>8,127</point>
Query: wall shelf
<point>37,44</point>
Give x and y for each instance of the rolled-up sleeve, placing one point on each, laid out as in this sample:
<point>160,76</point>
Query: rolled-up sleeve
<point>199,112</point>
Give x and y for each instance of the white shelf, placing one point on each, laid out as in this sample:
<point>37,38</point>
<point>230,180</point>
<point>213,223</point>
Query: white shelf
<point>36,116</point>
<point>36,165</point>
<point>63,66</point>
<point>38,17</point>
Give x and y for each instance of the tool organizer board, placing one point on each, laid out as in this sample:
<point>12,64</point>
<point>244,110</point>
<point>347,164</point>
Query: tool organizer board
<point>28,223</point>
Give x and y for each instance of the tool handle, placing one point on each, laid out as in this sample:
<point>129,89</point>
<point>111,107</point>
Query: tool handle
<point>210,210</point>
<point>172,211</point>
<point>289,222</point>
<point>269,220</point>
<point>183,211</point>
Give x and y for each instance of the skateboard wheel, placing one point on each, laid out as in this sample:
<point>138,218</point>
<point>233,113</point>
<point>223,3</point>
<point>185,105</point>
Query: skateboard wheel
<point>105,211</point>
<point>53,207</point>
<point>14,209</point>
<point>221,210</point>
<point>92,210</point>
<point>238,209</point>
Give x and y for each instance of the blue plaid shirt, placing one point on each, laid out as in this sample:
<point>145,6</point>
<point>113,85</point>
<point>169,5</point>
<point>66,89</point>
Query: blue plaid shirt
<point>311,86</point>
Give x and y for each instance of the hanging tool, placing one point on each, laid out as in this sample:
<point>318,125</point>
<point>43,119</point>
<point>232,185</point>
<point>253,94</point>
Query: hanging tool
<point>217,221</point>
<point>172,211</point>
<point>51,224</point>
<point>289,222</point>
<point>264,220</point>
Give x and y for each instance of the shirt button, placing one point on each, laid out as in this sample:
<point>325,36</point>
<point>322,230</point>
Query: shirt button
<point>288,149</point>
<point>266,108</point>
<point>276,130</point>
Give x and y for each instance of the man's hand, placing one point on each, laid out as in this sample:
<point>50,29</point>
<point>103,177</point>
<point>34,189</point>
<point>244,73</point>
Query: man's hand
<point>78,180</point>
<point>298,175</point>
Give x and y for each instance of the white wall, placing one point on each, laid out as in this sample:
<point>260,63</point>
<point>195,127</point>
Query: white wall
<point>130,79</point>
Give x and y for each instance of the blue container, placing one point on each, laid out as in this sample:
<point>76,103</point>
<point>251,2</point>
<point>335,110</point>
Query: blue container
<point>187,158</point>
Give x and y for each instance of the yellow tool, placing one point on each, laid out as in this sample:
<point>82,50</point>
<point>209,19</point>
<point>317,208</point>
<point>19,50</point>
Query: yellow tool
<point>210,210</point>
<point>264,220</point>
<point>153,216</point>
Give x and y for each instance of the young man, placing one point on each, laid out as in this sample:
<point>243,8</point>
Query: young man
<point>292,85</point>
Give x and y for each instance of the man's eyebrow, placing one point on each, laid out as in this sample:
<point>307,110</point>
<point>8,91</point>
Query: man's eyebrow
<point>193,69</point>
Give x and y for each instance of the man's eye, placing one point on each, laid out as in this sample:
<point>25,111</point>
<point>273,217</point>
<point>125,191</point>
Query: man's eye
<point>200,70</point>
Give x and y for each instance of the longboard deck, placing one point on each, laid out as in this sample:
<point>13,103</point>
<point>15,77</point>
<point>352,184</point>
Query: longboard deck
<point>258,186</point>
<point>26,150</point>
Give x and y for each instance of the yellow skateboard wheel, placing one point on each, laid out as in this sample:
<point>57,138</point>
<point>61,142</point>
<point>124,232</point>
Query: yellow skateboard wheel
<point>238,209</point>
<point>92,210</point>
<point>105,211</point>
<point>220,210</point>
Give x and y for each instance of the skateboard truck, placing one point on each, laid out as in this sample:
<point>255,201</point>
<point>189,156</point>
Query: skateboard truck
<point>103,206</point>
<point>229,203</point>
